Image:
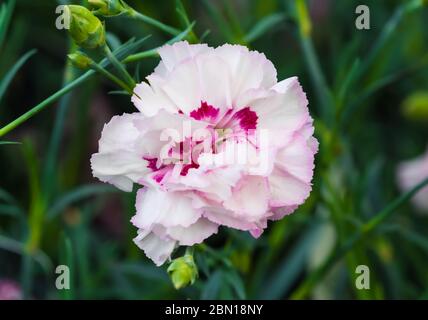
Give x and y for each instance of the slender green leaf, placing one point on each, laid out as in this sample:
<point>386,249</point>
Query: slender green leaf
<point>6,10</point>
<point>142,270</point>
<point>379,84</point>
<point>304,289</point>
<point>7,79</point>
<point>283,278</point>
<point>119,92</point>
<point>76,195</point>
<point>348,82</point>
<point>236,282</point>
<point>6,196</point>
<point>388,31</point>
<point>9,142</point>
<point>185,18</point>
<point>213,286</point>
<point>10,210</point>
<point>219,20</point>
<point>154,52</point>
<point>67,259</point>
<point>317,76</point>
<point>263,26</point>
<point>17,247</point>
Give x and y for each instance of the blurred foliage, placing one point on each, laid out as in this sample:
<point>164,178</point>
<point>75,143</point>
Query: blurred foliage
<point>366,91</point>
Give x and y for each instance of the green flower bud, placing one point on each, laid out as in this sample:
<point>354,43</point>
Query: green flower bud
<point>108,8</point>
<point>415,107</point>
<point>80,60</point>
<point>85,28</point>
<point>183,271</point>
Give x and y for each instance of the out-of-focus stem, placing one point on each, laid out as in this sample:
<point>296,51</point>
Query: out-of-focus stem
<point>388,30</point>
<point>55,141</point>
<point>305,288</point>
<point>322,90</point>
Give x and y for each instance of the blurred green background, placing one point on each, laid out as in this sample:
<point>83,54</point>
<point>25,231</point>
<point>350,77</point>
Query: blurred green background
<point>53,212</point>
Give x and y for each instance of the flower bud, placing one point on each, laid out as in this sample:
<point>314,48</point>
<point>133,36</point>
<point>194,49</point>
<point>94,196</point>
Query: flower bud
<point>183,271</point>
<point>108,8</point>
<point>415,107</point>
<point>85,28</point>
<point>80,60</point>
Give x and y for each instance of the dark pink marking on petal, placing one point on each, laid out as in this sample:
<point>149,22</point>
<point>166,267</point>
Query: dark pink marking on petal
<point>187,167</point>
<point>151,163</point>
<point>158,177</point>
<point>205,112</point>
<point>247,118</point>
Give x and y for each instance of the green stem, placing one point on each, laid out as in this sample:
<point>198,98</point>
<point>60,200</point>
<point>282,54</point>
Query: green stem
<point>154,52</point>
<point>35,219</point>
<point>305,288</point>
<point>111,76</point>
<point>119,66</point>
<point>33,111</point>
<point>12,125</point>
<point>190,251</point>
<point>153,22</point>
<point>49,177</point>
<point>26,274</point>
<point>67,258</point>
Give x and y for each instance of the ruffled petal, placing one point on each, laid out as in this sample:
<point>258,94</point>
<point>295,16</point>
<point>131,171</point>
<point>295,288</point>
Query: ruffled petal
<point>297,158</point>
<point>249,69</point>
<point>287,190</point>
<point>117,161</point>
<point>176,53</point>
<point>250,198</point>
<point>228,218</point>
<point>283,109</point>
<point>157,249</point>
<point>149,100</point>
<point>169,209</point>
<point>203,79</point>
<point>193,234</point>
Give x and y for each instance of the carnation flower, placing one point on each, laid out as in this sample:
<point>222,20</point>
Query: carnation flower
<point>411,173</point>
<point>216,141</point>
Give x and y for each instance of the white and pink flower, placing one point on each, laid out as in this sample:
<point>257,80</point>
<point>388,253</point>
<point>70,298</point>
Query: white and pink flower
<point>411,173</point>
<point>216,141</point>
